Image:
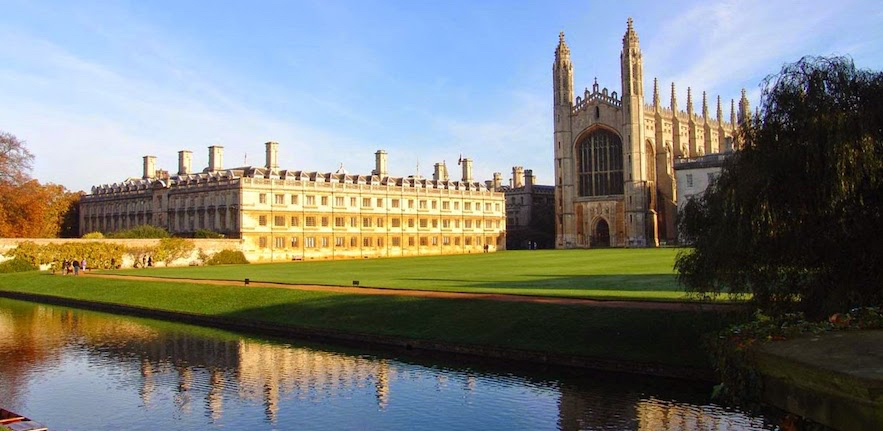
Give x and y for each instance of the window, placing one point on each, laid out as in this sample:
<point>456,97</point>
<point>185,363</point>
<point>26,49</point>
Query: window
<point>310,242</point>
<point>366,242</point>
<point>487,207</point>
<point>338,201</point>
<point>324,221</point>
<point>690,180</point>
<point>396,241</point>
<point>366,221</point>
<point>324,200</point>
<point>311,200</point>
<point>468,224</point>
<point>262,220</point>
<point>457,240</point>
<point>380,242</point>
<point>280,199</point>
<point>324,241</point>
<point>379,202</point>
<point>446,224</point>
<point>423,242</point>
<point>435,240</point>
<point>395,203</point>
<point>338,222</point>
<point>446,240</point>
<point>279,221</point>
<point>294,242</point>
<point>294,199</point>
<point>446,205</point>
<point>423,223</point>
<point>353,202</point>
<point>488,224</point>
<point>338,241</point>
<point>295,221</point>
<point>280,242</point>
<point>353,241</point>
<point>435,223</point>
<point>262,242</point>
<point>396,222</point>
<point>456,205</point>
<point>600,164</point>
<point>457,224</point>
<point>410,222</point>
<point>310,221</point>
<point>262,198</point>
<point>422,204</point>
<point>366,202</point>
<point>467,206</point>
<point>468,240</point>
<point>411,203</point>
<point>434,204</point>
<point>379,222</point>
<point>497,207</point>
<point>411,241</point>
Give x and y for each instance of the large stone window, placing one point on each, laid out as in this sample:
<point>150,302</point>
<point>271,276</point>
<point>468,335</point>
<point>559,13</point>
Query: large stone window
<point>600,164</point>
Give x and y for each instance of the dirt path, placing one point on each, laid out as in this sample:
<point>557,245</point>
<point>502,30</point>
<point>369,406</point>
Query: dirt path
<point>645,305</point>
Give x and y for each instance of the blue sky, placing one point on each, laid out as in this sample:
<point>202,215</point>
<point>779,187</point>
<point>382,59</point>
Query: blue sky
<point>93,86</point>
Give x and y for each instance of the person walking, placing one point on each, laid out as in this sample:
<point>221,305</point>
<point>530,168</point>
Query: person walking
<point>83,265</point>
<point>76,266</point>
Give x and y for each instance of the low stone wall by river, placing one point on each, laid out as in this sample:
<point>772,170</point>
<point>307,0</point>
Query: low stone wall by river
<point>204,246</point>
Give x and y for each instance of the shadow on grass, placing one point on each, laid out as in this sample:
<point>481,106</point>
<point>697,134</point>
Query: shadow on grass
<point>610,282</point>
<point>654,336</point>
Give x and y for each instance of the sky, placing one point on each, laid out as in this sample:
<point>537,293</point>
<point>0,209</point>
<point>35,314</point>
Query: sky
<point>94,86</point>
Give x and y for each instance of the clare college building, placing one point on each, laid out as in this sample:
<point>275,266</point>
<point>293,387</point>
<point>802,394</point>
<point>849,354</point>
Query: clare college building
<point>615,183</point>
<point>291,215</point>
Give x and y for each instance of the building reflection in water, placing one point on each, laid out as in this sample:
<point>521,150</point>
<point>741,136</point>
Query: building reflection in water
<point>199,363</point>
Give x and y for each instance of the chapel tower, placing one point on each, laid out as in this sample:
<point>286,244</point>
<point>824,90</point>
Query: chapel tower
<point>562,77</point>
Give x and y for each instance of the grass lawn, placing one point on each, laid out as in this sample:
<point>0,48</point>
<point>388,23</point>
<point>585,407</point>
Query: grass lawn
<point>603,274</point>
<point>657,336</point>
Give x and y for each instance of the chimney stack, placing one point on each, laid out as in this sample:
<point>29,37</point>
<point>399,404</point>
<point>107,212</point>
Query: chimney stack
<point>149,167</point>
<point>467,170</point>
<point>498,180</point>
<point>272,155</point>
<point>529,179</point>
<point>380,164</point>
<point>440,173</point>
<point>215,158</point>
<point>185,162</point>
<point>517,177</point>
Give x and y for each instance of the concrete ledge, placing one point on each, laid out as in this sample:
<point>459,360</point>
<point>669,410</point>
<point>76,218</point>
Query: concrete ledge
<point>493,354</point>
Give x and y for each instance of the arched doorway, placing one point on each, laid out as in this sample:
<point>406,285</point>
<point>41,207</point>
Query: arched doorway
<point>601,237</point>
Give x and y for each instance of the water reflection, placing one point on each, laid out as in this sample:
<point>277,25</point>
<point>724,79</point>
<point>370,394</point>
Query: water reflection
<point>157,375</point>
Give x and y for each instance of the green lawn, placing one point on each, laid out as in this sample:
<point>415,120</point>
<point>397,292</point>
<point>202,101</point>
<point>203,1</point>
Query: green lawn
<point>603,274</point>
<point>658,336</point>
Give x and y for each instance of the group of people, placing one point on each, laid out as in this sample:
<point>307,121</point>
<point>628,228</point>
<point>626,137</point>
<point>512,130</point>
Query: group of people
<point>73,266</point>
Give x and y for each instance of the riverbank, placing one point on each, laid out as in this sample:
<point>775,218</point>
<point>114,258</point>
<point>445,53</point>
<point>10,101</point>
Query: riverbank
<point>658,342</point>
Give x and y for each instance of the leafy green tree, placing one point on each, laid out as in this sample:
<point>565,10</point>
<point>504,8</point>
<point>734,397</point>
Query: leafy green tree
<point>795,218</point>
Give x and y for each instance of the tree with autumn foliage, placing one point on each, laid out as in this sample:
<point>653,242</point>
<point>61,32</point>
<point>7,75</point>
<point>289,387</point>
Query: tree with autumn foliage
<point>29,209</point>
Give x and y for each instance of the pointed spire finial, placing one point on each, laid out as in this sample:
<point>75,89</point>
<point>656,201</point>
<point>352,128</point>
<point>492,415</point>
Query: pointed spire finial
<point>689,101</point>
<point>704,106</point>
<point>674,99</point>
<point>732,112</point>
<point>744,108</point>
<point>561,37</point>
<point>720,112</point>
<point>656,93</point>
<point>630,35</point>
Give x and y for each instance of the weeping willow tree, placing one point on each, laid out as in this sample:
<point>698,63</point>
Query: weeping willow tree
<point>795,217</point>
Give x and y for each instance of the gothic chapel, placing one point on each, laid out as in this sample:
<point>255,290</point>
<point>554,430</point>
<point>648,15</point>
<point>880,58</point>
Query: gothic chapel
<point>614,155</point>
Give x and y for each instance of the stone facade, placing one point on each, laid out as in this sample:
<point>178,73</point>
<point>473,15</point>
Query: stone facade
<point>529,210</point>
<point>285,215</point>
<point>615,183</point>
<point>694,175</point>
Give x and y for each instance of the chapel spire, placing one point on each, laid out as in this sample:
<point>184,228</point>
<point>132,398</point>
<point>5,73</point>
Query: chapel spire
<point>655,94</point>
<point>562,74</point>
<point>744,108</point>
<point>704,106</point>
<point>674,100</point>
<point>689,102</point>
<point>720,112</point>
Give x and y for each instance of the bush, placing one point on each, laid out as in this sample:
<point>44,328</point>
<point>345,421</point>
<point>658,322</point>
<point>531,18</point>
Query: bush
<point>171,249</point>
<point>227,257</point>
<point>97,254</point>
<point>17,265</point>
<point>93,235</point>
<point>143,231</point>
<point>205,233</point>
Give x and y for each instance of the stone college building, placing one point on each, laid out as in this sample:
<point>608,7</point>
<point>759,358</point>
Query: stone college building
<point>614,155</point>
<point>283,215</point>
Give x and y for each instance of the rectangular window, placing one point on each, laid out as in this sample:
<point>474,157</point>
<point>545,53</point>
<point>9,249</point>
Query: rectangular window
<point>338,222</point>
<point>423,242</point>
<point>353,241</point>
<point>353,202</point>
<point>262,198</point>
<point>497,207</point>
<point>410,203</point>
<point>366,221</point>
<point>279,221</point>
<point>488,224</point>
<point>366,242</point>
<point>324,200</point>
<point>324,221</point>
<point>457,240</point>
<point>354,221</point>
<point>262,220</point>
<point>396,222</point>
<point>294,242</point>
<point>310,221</point>
<point>311,200</point>
<point>395,203</point>
<point>423,223</point>
<point>294,199</point>
<point>422,204</point>
<point>468,240</point>
<point>338,201</point>
<point>338,241</point>
<point>446,205</point>
<point>366,202</point>
<point>467,224</point>
<point>280,242</point>
<point>446,240</point>
<point>379,222</point>
<point>434,240</point>
<point>310,242</point>
<point>411,241</point>
<point>396,241</point>
<point>380,242</point>
<point>434,205</point>
<point>262,242</point>
<point>280,199</point>
<point>434,223</point>
<point>690,180</point>
<point>457,205</point>
<point>457,224</point>
<point>379,202</point>
<point>446,224</point>
<point>487,207</point>
<point>295,221</point>
<point>467,206</point>
<point>324,241</point>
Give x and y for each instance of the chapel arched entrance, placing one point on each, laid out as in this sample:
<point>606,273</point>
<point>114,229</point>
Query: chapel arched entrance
<point>601,234</point>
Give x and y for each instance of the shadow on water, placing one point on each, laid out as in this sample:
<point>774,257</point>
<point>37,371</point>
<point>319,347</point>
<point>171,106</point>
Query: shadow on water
<point>190,377</point>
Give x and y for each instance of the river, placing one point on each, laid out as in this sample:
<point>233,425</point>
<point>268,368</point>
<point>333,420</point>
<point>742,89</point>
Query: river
<point>82,370</point>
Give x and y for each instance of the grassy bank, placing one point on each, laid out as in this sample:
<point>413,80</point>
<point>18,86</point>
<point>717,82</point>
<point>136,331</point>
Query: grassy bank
<point>656,336</point>
<point>603,274</point>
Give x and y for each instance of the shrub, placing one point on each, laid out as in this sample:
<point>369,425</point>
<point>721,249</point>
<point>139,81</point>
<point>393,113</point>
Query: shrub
<point>227,257</point>
<point>205,233</point>
<point>143,231</point>
<point>170,249</point>
<point>97,254</point>
<point>17,265</point>
<point>93,235</point>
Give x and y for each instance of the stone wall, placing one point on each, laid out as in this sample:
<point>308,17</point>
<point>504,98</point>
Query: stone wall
<point>206,246</point>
